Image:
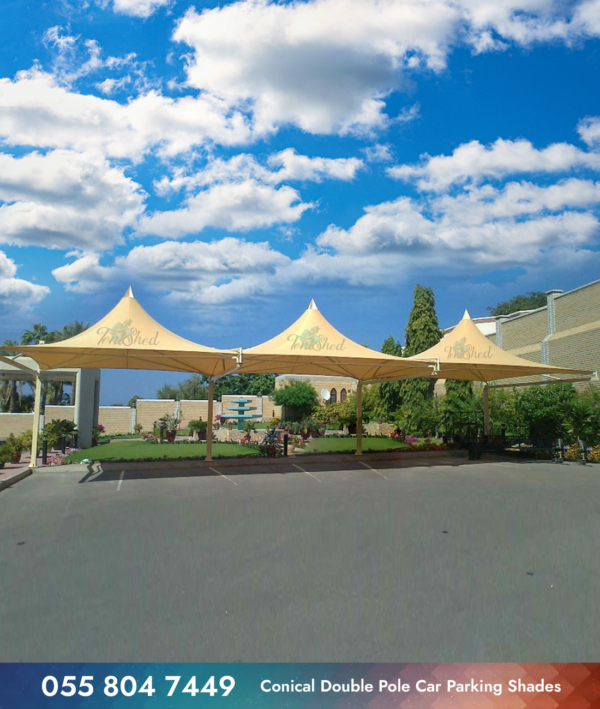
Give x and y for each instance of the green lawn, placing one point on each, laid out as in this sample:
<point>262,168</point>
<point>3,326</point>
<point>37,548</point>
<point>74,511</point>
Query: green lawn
<point>134,450</point>
<point>330,444</point>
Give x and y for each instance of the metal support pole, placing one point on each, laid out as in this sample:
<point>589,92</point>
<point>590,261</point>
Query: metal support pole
<point>45,450</point>
<point>209,423</point>
<point>37,410</point>
<point>359,418</point>
<point>63,444</point>
<point>486,410</point>
<point>286,439</point>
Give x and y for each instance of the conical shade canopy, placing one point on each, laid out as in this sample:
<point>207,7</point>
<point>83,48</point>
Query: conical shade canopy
<point>313,346</point>
<point>128,338</point>
<point>466,353</point>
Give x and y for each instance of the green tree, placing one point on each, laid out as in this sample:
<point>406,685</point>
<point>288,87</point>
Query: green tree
<point>9,390</point>
<point>132,403</point>
<point>529,301</point>
<point>71,329</point>
<point>195,387</point>
<point>299,398</point>
<point>390,393</point>
<point>457,402</point>
<point>542,408</point>
<point>422,332</point>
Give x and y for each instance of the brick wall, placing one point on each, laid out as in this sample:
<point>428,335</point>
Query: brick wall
<point>576,341</point>
<point>525,331</point>
<point>578,307</point>
<point>14,423</point>
<point>59,412</point>
<point>150,410</point>
<point>115,419</point>
<point>191,409</point>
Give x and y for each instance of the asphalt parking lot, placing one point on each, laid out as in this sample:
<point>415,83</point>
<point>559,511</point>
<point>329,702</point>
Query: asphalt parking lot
<point>430,560</point>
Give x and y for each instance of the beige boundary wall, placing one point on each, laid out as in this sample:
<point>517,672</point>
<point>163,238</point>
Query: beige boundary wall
<point>123,419</point>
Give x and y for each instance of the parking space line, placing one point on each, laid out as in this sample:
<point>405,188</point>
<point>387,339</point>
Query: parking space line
<point>306,471</point>
<point>223,476</point>
<point>120,480</point>
<point>373,469</point>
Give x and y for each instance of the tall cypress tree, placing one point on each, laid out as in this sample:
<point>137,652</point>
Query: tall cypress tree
<point>459,400</point>
<point>422,332</point>
<point>390,393</point>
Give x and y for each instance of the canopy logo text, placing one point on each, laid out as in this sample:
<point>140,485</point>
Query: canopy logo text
<point>461,350</point>
<point>123,334</point>
<point>311,340</point>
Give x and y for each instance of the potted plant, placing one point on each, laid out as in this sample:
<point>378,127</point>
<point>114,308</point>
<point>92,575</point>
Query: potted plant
<point>171,423</point>
<point>14,448</point>
<point>197,428</point>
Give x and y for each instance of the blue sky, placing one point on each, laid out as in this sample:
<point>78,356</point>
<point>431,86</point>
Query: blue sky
<point>233,160</point>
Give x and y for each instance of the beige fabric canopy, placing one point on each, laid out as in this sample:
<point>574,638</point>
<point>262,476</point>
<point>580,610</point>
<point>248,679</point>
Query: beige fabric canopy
<point>466,353</point>
<point>128,338</point>
<point>313,346</point>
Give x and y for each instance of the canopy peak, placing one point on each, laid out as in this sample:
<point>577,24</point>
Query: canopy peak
<point>129,293</point>
<point>466,315</point>
<point>312,305</point>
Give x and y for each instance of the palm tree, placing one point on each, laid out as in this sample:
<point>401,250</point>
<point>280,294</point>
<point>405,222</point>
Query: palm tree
<point>71,329</point>
<point>10,392</point>
<point>38,333</point>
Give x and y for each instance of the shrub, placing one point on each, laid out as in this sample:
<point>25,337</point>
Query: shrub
<point>55,429</point>
<point>573,452</point>
<point>594,455</point>
<point>138,428</point>
<point>26,439</point>
<point>196,425</point>
<point>249,426</point>
<point>299,397</point>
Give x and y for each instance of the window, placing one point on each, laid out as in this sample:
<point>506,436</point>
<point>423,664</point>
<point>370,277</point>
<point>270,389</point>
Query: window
<point>333,398</point>
<point>343,395</point>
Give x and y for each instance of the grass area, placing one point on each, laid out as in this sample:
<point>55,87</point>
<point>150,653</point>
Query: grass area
<point>331,444</point>
<point>134,450</point>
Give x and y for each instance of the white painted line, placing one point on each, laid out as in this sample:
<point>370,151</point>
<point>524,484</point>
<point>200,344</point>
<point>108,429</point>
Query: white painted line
<point>223,476</point>
<point>306,471</point>
<point>373,469</point>
<point>120,480</point>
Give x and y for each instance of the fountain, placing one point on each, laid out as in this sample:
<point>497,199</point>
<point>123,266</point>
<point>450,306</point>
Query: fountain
<point>241,412</point>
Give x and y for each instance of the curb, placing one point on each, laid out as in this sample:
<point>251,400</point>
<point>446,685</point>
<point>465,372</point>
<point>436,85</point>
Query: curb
<point>268,462</point>
<point>17,477</point>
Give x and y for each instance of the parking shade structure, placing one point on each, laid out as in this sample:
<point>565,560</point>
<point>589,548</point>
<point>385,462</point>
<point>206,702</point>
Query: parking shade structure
<point>129,338</point>
<point>466,353</point>
<point>311,345</point>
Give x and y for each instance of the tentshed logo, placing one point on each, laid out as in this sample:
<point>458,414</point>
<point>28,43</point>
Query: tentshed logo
<point>461,350</point>
<point>123,334</point>
<point>311,340</point>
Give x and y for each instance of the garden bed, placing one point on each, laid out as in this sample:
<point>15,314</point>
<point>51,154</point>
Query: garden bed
<point>333,444</point>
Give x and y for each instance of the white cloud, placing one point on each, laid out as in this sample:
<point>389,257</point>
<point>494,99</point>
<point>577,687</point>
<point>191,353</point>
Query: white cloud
<point>235,207</point>
<point>15,292</point>
<point>378,153</point>
<point>188,266</point>
<point>139,8</point>
<point>474,161</point>
<point>36,111</point>
<point>65,200</point>
<point>324,65</point>
<point>482,230</point>
<point>589,130</point>
<point>327,65</point>
<point>243,167</point>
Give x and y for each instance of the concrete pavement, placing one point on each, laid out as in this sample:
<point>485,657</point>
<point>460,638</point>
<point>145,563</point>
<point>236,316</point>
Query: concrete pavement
<point>369,561</point>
